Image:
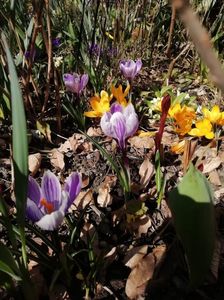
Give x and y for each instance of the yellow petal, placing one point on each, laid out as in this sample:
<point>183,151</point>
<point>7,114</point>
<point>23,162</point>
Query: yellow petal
<point>209,135</point>
<point>142,133</point>
<point>195,132</point>
<point>93,114</point>
<point>178,148</point>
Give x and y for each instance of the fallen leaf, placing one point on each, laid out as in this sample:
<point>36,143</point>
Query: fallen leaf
<point>85,181</point>
<point>143,272</point>
<point>214,178</point>
<point>70,145</point>
<point>219,193</point>
<point>82,200</point>
<point>139,277</point>
<point>57,159</point>
<point>104,197</point>
<point>142,142</point>
<point>212,165</point>
<point>146,172</point>
<point>134,255</point>
<point>94,131</point>
<point>34,162</point>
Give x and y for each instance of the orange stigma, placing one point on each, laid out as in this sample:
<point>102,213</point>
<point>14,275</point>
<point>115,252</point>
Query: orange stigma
<point>48,206</point>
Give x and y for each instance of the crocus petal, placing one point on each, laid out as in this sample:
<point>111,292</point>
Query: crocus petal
<point>69,81</point>
<point>73,186</point>
<point>93,114</point>
<point>33,213</point>
<point>116,107</point>
<point>51,221</point>
<point>83,81</point>
<point>33,191</point>
<point>51,189</point>
<point>138,65</point>
<point>131,120</point>
<point>105,124</point>
<point>119,128</point>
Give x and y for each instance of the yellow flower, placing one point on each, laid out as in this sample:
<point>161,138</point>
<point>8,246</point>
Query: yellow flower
<point>119,94</point>
<point>214,115</point>
<point>178,148</point>
<point>203,128</point>
<point>183,117</point>
<point>142,133</point>
<point>221,120</point>
<point>174,109</point>
<point>100,105</point>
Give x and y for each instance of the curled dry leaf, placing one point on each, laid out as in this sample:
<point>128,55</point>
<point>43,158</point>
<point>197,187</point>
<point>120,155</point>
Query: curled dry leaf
<point>94,131</point>
<point>214,178</point>
<point>142,142</point>
<point>57,159</point>
<point>134,255</point>
<point>70,145</point>
<point>34,162</point>
<point>143,272</point>
<point>140,225</point>
<point>146,172</point>
<point>104,197</point>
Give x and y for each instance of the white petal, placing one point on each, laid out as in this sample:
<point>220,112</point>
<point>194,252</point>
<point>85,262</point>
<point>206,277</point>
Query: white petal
<point>51,221</point>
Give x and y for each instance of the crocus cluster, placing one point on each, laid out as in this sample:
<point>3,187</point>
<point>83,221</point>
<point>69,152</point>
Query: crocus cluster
<point>120,123</point>
<point>47,204</point>
<point>75,83</point>
<point>130,69</point>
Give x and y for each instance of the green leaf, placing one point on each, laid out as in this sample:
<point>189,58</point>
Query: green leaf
<point>8,264</point>
<point>192,209</point>
<point>20,144</point>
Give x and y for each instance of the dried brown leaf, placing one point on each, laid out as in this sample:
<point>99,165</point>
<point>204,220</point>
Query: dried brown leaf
<point>139,277</point>
<point>146,172</point>
<point>82,200</point>
<point>94,131</point>
<point>34,162</point>
<point>134,255</point>
<point>142,142</point>
<point>213,164</point>
<point>104,197</point>
<point>70,145</point>
<point>214,178</point>
<point>57,159</point>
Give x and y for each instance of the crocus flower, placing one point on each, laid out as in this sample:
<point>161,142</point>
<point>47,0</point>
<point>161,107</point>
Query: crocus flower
<point>214,115</point>
<point>119,94</point>
<point>48,204</point>
<point>100,105</point>
<point>178,148</point>
<point>130,69</point>
<point>120,123</point>
<point>75,83</point>
<point>183,117</point>
<point>203,128</point>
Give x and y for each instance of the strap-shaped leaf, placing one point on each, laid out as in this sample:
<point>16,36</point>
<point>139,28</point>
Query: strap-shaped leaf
<point>8,264</point>
<point>193,213</point>
<point>19,137</point>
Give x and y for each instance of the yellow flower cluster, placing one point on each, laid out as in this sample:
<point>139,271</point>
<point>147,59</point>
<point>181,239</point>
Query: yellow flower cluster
<point>101,104</point>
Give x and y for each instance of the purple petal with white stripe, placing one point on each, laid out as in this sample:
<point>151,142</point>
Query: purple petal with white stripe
<point>72,186</point>
<point>51,189</point>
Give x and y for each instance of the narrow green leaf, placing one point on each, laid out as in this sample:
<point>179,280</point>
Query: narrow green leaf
<point>20,145</point>
<point>8,264</point>
<point>19,137</point>
<point>192,209</point>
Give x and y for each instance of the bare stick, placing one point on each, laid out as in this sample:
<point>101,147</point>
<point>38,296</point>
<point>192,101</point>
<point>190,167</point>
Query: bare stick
<point>201,40</point>
<point>172,22</point>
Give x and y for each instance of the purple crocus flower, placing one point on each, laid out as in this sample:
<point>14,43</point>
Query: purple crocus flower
<point>56,42</point>
<point>120,123</point>
<point>48,204</point>
<point>75,83</point>
<point>130,69</point>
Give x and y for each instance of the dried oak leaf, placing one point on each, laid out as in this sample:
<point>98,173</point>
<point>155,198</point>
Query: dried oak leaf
<point>134,255</point>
